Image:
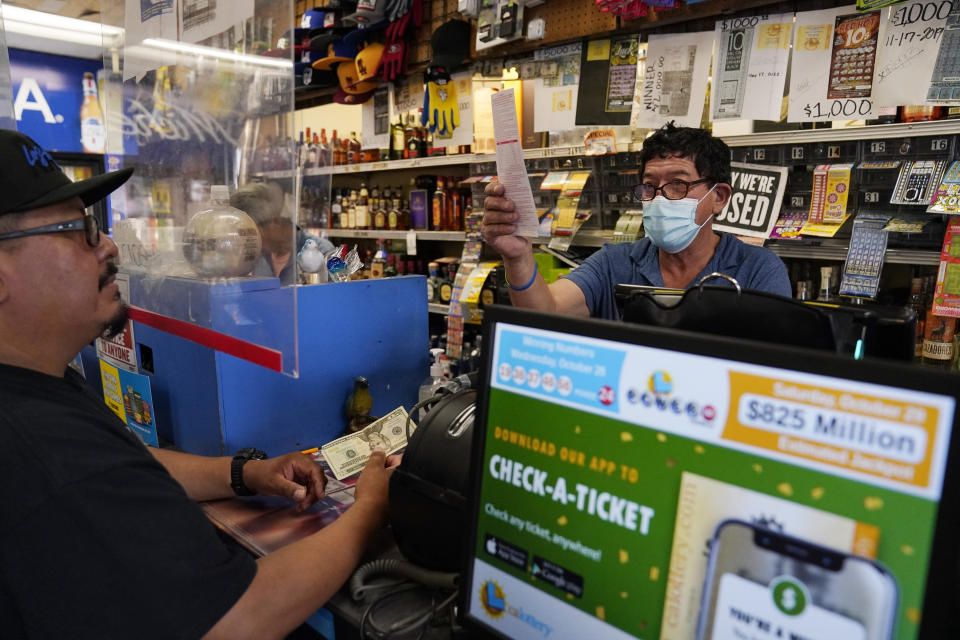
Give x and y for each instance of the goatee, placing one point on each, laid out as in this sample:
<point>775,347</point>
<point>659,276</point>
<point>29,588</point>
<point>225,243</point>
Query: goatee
<point>117,323</point>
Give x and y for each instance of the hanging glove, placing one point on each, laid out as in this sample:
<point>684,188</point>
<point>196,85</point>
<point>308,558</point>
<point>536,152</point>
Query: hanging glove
<point>416,11</point>
<point>441,94</point>
<point>396,8</point>
<point>393,59</point>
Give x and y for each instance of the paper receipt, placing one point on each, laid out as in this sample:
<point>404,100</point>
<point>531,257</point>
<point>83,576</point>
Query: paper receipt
<point>511,172</point>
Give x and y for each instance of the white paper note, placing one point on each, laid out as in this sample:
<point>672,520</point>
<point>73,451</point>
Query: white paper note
<point>911,36</point>
<point>674,80</point>
<point>511,172</point>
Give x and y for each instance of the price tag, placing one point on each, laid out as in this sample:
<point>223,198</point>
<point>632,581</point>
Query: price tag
<point>412,243</point>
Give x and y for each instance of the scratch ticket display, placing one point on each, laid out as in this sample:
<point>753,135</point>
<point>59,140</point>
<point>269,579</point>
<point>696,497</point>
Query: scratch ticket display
<point>831,191</point>
<point>734,56</point>
<point>788,225</point>
<point>868,245</point>
<point>837,192</point>
<point>917,181</point>
<point>819,197</point>
<point>947,197</point>
<point>945,79</point>
<point>946,297</point>
<point>854,51</point>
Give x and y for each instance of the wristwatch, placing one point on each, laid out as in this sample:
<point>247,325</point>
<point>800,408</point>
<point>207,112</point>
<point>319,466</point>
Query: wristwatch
<point>236,469</point>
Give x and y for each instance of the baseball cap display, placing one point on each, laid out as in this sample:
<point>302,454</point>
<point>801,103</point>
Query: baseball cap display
<point>293,37</point>
<point>342,97</point>
<point>337,51</point>
<point>32,179</point>
<point>313,19</point>
<point>368,12</point>
<point>367,62</point>
<point>450,44</point>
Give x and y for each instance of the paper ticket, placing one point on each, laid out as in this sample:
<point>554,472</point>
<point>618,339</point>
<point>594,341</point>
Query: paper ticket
<point>511,171</point>
<point>349,454</point>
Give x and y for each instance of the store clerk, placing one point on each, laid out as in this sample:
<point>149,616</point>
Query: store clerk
<point>99,535</point>
<point>684,183</point>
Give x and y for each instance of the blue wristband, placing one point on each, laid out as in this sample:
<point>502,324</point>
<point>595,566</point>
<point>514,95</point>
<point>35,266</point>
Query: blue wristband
<point>526,286</point>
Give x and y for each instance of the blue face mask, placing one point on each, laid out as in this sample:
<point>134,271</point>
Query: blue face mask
<point>671,224</point>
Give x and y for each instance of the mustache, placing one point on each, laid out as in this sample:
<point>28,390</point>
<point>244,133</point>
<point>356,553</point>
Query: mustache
<point>111,270</point>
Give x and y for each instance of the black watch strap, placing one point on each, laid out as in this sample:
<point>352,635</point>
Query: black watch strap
<point>236,469</point>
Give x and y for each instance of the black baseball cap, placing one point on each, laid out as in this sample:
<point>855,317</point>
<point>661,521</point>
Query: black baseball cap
<point>30,178</point>
<point>450,44</point>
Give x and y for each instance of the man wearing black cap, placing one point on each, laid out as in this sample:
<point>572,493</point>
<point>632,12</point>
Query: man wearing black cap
<point>100,539</point>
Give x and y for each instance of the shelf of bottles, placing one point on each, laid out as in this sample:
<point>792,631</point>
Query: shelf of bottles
<point>872,132</point>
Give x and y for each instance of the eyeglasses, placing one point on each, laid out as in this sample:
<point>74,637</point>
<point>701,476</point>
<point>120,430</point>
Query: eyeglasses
<point>673,190</point>
<point>87,224</point>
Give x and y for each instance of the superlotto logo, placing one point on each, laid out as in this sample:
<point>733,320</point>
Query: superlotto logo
<point>659,394</point>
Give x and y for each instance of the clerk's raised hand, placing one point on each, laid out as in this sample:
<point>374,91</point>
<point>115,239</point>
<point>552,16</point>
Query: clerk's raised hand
<point>294,475</point>
<point>499,221</point>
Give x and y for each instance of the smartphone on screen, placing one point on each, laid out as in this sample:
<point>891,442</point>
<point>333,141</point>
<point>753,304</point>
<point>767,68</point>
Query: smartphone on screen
<point>765,584</point>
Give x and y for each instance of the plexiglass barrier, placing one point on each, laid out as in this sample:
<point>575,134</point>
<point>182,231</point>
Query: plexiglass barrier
<point>6,88</point>
<point>198,99</point>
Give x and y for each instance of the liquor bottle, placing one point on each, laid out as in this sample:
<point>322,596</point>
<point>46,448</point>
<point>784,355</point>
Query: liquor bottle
<point>326,151</point>
<point>393,214</point>
<point>439,208</point>
<point>352,210</point>
<point>363,208</point>
<point>93,133</point>
<point>336,149</point>
<point>433,282</point>
<point>380,213</point>
<point>916,303</point>
<point>826,275</point>
<point>379,261</point>
<point>353,148</point>
<point>447,282</point>
<point>301,152</point>
<point>411,143</point>
<point>938,340</point>
<point>401,267</point>
<point>313,152</point>
<point>401,205</point>
<point>336,208</point>
<point>391,269</point>
<point>397,140</point>
<point>422,141</point>
<point>488,294</point>
<point>455,215</point>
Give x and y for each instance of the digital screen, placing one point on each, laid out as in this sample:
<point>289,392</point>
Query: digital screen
<point>627,491</point>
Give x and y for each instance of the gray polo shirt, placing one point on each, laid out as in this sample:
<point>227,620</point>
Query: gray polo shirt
<point>639,263</point>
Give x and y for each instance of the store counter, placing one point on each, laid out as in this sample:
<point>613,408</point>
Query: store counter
<point>264,524</point>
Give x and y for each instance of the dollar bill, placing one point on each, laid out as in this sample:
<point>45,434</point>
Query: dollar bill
<point>349,454</point>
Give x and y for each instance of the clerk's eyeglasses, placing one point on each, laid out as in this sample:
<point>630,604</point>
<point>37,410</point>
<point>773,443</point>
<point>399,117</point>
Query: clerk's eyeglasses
<point>673,190</point>
<point>88,224</point>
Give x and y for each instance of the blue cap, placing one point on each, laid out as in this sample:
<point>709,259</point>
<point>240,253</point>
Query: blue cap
<point>312,19</point>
